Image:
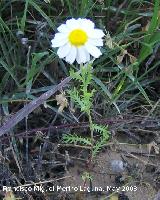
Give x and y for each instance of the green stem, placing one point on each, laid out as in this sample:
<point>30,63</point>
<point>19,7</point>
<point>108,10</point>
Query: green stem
<point>91,130</point>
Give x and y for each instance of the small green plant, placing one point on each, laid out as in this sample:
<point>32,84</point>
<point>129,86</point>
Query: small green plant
<point>86,177</point>
<point>82,96</point>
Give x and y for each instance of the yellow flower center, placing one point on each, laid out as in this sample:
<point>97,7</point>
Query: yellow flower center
<point>78,37</point>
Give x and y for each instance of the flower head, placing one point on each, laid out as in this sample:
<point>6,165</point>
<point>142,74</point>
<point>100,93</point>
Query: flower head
<point>77,39</point>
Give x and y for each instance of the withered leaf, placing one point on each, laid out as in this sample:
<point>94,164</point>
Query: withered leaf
<point>9,196</point>
<point>121,56</point>
<point>108,41</point>
<point>154,146</point>
<point>62,101</point>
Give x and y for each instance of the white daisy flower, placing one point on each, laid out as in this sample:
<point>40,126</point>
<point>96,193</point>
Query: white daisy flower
<point>77,39</point>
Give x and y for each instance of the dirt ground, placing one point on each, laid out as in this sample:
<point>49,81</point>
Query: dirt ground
<point>138,178</point>
<point>126,168</point>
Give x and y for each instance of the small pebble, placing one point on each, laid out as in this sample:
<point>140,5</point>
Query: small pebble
<point>118,166</point>
<point>24,41</point>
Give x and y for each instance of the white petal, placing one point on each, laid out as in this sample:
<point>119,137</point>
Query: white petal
<point>94,51</point>
<point>64,50</point>
<point>88,58</point>
<point>72,24</point>
<point>86,23</point>
<point>63,28</point>
<point>81,55</point>
<point>58,43</point>
<point>96,42</point>
<point>59,40</point>
<point>60,36</point>
<point>70,58</point>
<point>96,33</point>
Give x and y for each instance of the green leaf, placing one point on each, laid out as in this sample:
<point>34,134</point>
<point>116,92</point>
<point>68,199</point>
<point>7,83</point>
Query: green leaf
<point>23,20</point>
<point>41,12</point>
<point>69,138</point>
<point>10,71</point>
<point>152,36</point>
<point>35,67</point>
<point>5,105</point>
<point>105,90</point>
<point>147,48</point>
